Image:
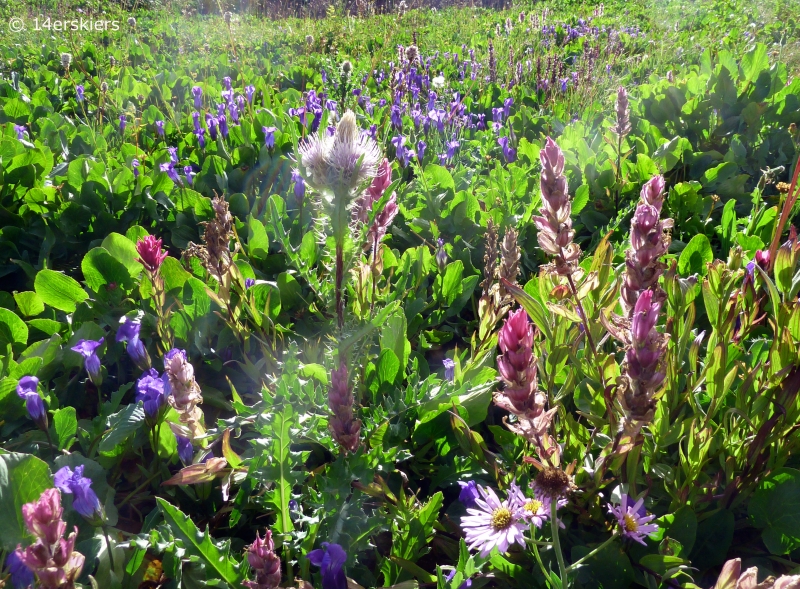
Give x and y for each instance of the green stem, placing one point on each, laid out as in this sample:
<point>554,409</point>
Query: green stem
<point>578,562</point>
<point>110,549</point>
<point>541,564</point>
<point>557,544</point>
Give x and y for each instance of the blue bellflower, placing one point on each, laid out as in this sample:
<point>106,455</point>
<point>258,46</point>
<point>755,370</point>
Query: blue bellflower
<point>185,449</point>
<point>88,349</point>
<point>330,559</point>
<point>128,332</point>
<point>469,493</point>
<point>21,575</point>
<point>152,390</point>
<point>84,499</point>
<point>26,389</point>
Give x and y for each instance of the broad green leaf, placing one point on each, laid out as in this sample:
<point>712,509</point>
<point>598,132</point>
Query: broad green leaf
<point>754,62</point>
<point>123,250</point>
<point>12,329</point>
<point>714,537</point>
<point>66,425</point>
<point>610,568</point>
<point>452,283</point>
<point>122,426</point>
<point>695,256</point>
<point>59,290</point>
<point>218,561</point>
<point>775,508</point>
<point>23,478</point>
<point>29,303</point>
<point>100,269</point>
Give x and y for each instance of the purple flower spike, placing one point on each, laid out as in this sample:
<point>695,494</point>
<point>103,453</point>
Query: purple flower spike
<point>88,349</point>
<point>633,523</point>
<point>84,500</point>
<point>27,389</point>
<point>330,558</point>
<point>152,390</point>
<point>264,563</point>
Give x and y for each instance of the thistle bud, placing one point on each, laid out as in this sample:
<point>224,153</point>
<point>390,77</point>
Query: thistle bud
<point>264,562</point>
<point>66,60</point>
<point>344,428</point>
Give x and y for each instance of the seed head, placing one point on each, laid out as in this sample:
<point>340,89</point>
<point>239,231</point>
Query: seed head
<point>553,482</point>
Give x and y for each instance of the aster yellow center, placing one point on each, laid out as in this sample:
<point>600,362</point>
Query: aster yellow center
<point>501,518</point>
<point>629,524</point>
<point>533,506</point>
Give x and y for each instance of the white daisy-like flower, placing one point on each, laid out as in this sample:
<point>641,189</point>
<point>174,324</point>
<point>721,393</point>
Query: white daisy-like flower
<point>493,523</point>
<point>438,82</point>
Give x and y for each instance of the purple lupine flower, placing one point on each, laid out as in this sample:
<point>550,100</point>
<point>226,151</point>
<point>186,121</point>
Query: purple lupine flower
<point>493,523</point>
<point>189,173</point>
<point>135,166</point>
<point>152,390</point>
<point>84,499</point>
<point>449,369</point>
<point>330,558</point>
<point>469,493</point>
<point>79,90</point>
<point>21,131</point>
<point>632,519</point>
<point>27,390</point>
<point>269,136</point>
<point>88,349</point>
<point>128,332</point>
<point>421,147</point>
<point>249,282</point>
<point>185,449</point>
<point>21,576</point>
<point>197,92</point>
<point>299,185</point>
<point>122,123</point>
<point>160,128</point>
<point>509,153</point>
<point>250,90</point>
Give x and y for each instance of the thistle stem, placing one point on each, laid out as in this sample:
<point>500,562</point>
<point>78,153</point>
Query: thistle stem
<point>339,280</point>
<point>581,560</point>
<point>557,544</point>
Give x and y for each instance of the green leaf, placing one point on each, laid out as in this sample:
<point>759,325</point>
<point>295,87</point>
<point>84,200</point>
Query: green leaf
<point>610,568</point>
<point>754,62</point>
<point>29,303</point>
<point>100,268</point>
<point>695,256</point>
<point>66,424</point>
<point>281,470</point>
<point>437,175</point>
<point>12,329</point>
<point>122,426</point>
<point>775,508</point>
<point>581,199</point>
<point>714,537</point>
<point>388,366</point>
<point>452,283</point>
<point>59,290</point>
<point>218,561</point>
<point>23,478</point>
<point>123,250</point>
<point>393,337</point>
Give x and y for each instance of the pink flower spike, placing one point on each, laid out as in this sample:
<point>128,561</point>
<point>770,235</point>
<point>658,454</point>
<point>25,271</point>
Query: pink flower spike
<point>150,254</point>
<point>43,517</point>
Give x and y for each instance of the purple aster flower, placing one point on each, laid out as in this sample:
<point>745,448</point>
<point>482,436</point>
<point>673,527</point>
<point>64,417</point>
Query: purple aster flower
<point>449,369</point>
<point>330,559</point>
<point>21,575</point>
<point>185,449</point>
<point>469,493</point>
<point>421,147</point>
<point>26,389</point>
<point>160,128</point>
<point>189,173</point>
<point>84,499</point>
<point>493,523</point>
<point>21,131</point>
<point>299,185</point>
<point>249,282</point>
<point>250,91</point>
<point>152,390</point>
<point>122,123</point>
<point>269,136</point>
<point>197,92</point>
<point>633,523</point>
<point>128,332</point>
<point>88,349</point>
<point>79,90</point>
<point>135,166</point>
<point>509,153</point>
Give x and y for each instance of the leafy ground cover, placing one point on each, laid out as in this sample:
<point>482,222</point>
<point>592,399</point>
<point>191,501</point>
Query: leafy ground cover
<point>438,298</point>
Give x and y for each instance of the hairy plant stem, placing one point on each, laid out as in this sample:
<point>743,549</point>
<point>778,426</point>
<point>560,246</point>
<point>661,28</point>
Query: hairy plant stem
<point>536,554</point>
<point>339,280</point>
<point>583,559</point>
<point>588,333</point>
<point>557,544</point>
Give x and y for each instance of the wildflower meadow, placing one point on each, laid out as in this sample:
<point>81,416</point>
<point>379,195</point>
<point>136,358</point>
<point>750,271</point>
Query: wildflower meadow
<point>440,294</point>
